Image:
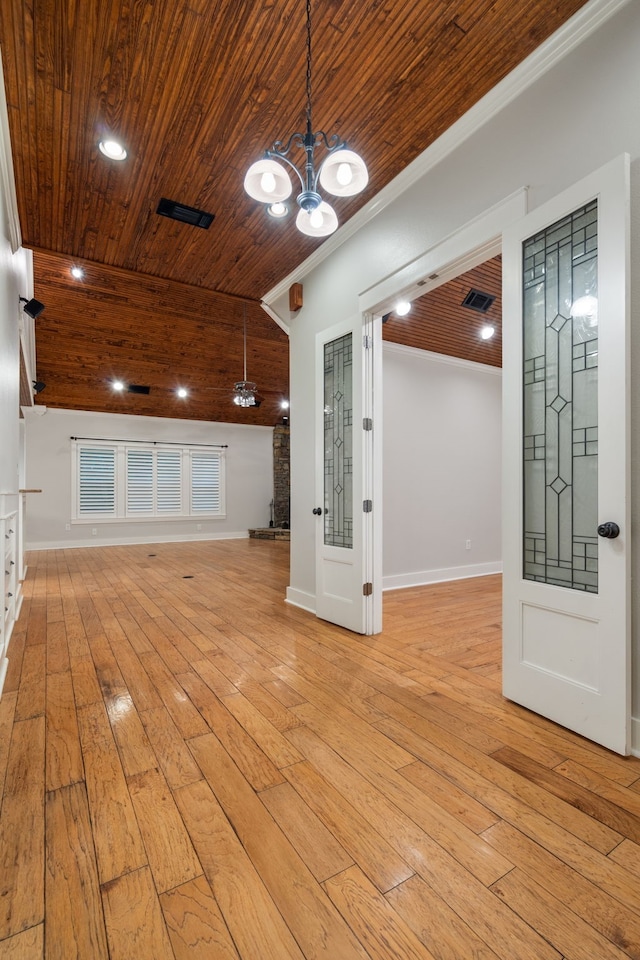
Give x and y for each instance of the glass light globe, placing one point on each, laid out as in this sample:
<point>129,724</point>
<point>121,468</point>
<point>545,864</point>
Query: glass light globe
<point>319,222</point>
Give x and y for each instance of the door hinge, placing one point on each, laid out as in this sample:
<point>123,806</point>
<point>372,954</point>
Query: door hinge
<point>367,341</point>
<point>367,506</point>
<point>367,589</point>
<point>367,423</point>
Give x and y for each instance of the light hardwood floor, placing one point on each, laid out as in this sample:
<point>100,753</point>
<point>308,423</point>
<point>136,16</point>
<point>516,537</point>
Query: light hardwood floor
<point>191,769</point>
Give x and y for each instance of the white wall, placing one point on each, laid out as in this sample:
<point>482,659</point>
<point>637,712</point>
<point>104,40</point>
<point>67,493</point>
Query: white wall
<point>249,477</point>
<point>442,464</point>
<point>15,281</point>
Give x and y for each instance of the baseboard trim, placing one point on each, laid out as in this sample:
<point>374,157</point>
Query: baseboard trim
<point>635,736</point>
<point>3,673</point>
<point>300,598</point>
<point>421,578</point>
<point>132,541</point>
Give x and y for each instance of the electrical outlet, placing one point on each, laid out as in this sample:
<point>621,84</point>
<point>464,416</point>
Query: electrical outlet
<point>468,545</point>
<point>94,531</point>
<point>67,526</point>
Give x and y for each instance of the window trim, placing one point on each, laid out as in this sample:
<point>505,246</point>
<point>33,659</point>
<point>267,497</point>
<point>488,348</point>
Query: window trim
<point>121,514</point>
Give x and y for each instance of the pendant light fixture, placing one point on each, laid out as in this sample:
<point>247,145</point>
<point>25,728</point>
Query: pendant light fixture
<point>342,173</point>
<point>245,391</point>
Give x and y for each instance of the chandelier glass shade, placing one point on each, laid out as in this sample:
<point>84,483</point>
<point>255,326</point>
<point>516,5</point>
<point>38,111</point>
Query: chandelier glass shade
<point>342,172</point>
<point>245,391</point>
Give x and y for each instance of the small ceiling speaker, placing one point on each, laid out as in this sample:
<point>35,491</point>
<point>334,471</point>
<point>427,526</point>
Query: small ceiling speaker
<point>33,308</point>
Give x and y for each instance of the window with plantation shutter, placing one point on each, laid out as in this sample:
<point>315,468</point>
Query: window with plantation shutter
<point>97,482</point>
<point>139,482</point>
<point>169,481</point>
<point>130,481</point>
<point>205,482</point>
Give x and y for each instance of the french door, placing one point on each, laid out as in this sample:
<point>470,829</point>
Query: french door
<point>566,552</point>
<point>347,593</point>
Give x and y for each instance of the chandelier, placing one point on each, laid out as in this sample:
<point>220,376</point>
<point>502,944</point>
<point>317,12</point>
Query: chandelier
<point>245,391</point>
<point>342,173</point>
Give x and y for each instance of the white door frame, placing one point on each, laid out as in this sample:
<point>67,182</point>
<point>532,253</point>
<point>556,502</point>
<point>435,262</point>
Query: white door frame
<point>474,243</point>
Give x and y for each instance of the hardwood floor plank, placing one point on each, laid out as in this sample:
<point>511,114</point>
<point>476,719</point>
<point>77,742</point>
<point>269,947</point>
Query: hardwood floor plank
<point>316,925</point>
<point>600,809</point>
<point>601,786</point>
<point>435,924</point>
<point>196,926</point>
<point>606,914</point>
<point>63,752</point>
<point>135,924</point>
<point>173,755</point>
<point>315,845</point>
<point>31,693</point>
<point>440,750</point>
<point>254,763</point>
<point>572,936</point>
<point>276,747</point>
<point>183,713</point>
<point>22,830</point>
<point>119,846</point>
<point>254,922</point>
<point>74,926</point>
<point>7,713</point>
<point>436,823</point>
<point>86,688</point>
<point>456,802</point>
<point>627,854</point>
<point>369,848</point>
<point>269,706</point>
<point>28,945</point>
<point>373,920</point>
<point>172,858</point>
<point>57,649</point>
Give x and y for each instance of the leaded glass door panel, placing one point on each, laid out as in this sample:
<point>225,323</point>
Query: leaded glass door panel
<point>342,555</point>
<point>566,646</point>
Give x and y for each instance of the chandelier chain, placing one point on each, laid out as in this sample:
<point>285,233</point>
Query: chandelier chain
<point>309,66</point>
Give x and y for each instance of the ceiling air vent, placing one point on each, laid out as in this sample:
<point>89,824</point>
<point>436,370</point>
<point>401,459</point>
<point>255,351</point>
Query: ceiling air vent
<point>476,300</point>
<point>179,211</point>
<point>138,388</point>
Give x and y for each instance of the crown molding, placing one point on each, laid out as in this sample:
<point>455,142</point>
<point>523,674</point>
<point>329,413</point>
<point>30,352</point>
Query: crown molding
<point>390,346</point>
<point>6,171</point>
<point>572,33</point>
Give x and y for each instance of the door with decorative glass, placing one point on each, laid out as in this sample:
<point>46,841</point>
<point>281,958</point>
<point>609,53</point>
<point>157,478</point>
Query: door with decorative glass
<point>345,592</point>
<point>566,646</point>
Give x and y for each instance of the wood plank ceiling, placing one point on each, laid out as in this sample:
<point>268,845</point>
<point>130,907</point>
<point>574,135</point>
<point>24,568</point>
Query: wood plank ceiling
<point>197,91</point>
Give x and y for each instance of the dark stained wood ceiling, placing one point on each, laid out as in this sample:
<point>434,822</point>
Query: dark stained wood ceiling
<point>438,321</point>
<point>197,90</point>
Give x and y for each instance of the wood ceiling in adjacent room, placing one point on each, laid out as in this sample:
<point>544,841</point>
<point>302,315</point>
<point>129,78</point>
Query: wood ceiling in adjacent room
<point>438,321</point>
<point>197,91</point>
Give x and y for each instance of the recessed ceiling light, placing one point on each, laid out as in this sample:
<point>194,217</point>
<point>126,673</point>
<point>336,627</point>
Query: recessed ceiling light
<point>117,385</point>
<point>278,210</point>
<point>182,392</point>
<point>487,332</point>
<point>77,272</point>
<point>402,308</point>
<point>112,149</point>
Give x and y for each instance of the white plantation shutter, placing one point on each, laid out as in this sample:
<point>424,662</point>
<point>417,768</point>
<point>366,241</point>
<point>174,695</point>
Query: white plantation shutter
<point>97,482</point>
<point>206,492</point>
<point>117,480</point>
<point>139,481</point>
<point>169,481</point>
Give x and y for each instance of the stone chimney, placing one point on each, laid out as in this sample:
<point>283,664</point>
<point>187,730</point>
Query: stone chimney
<point>281,474</point>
